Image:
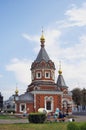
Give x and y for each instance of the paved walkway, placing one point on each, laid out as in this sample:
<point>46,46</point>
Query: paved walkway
<point>5,121</point>
<point>80,118</point>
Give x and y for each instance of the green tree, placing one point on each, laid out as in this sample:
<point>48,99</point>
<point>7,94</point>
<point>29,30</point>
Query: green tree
<point>76,95</point>
<point>83,96</point>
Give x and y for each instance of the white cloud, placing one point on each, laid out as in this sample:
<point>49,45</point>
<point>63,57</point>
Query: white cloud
<point>75,16</point>
<point>21,69</point>
<point>51,36</point>
<point>31,38</point>
<point>77,51</point>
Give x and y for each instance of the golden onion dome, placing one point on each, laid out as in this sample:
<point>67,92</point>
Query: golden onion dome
<point>42,39</point>
<point>16,91</point>
<point>60,71</point>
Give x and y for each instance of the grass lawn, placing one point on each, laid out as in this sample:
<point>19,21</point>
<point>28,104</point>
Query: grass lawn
<point>46,126</point>
<point>29,126</point>
<point>8,117</point>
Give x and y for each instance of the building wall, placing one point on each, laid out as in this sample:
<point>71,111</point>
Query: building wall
<point>29,107</point>
<point>40,101</point>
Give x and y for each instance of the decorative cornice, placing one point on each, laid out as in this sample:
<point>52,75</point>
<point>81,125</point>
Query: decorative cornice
<point>47,92</point>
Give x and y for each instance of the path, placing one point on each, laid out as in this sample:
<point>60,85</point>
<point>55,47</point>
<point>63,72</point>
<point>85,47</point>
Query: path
<point>5,121</point>
<point>80,119</point>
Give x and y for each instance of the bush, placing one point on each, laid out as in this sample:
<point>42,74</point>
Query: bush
<point>72,126</point>
<point>37,117</point>
<point>83,126</point>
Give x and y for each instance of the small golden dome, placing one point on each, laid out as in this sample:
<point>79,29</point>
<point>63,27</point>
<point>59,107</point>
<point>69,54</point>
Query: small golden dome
<point>42,39</point>
<point>60,71</point>
<point>16,91</point>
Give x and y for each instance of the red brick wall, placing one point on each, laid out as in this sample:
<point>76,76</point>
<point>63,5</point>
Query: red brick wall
<point>40,101</point>
<point>29,107</point>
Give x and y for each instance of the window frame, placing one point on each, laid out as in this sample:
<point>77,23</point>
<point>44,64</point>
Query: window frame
<point>37,74</point>
<point>47,76</point>
<point>21,107</point>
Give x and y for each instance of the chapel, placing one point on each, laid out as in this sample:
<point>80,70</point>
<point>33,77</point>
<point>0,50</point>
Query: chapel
<point>43,91</point>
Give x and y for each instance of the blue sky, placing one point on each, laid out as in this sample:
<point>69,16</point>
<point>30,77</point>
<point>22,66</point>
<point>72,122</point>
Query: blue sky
<point>21,22</point>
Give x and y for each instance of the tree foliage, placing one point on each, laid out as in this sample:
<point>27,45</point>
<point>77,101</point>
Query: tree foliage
<point>79,96</point>
<point>83,96</point>
<point>76,95</point>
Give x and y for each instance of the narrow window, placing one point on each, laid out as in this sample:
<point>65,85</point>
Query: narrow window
<point>48,105</point>
<point>47,74</point>
<point>22,107</point>
<point>38,75</point>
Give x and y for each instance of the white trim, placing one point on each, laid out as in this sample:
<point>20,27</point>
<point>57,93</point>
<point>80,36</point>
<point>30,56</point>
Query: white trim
<point>47,92</point>
<point>46,80</point>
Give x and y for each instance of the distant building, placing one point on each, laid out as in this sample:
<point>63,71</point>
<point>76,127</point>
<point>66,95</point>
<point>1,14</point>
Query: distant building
<point>1,102</point>
<point>43,92</point>
<point>9,105</point>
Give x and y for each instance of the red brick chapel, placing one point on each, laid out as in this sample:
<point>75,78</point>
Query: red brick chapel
<point>43,92</point>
